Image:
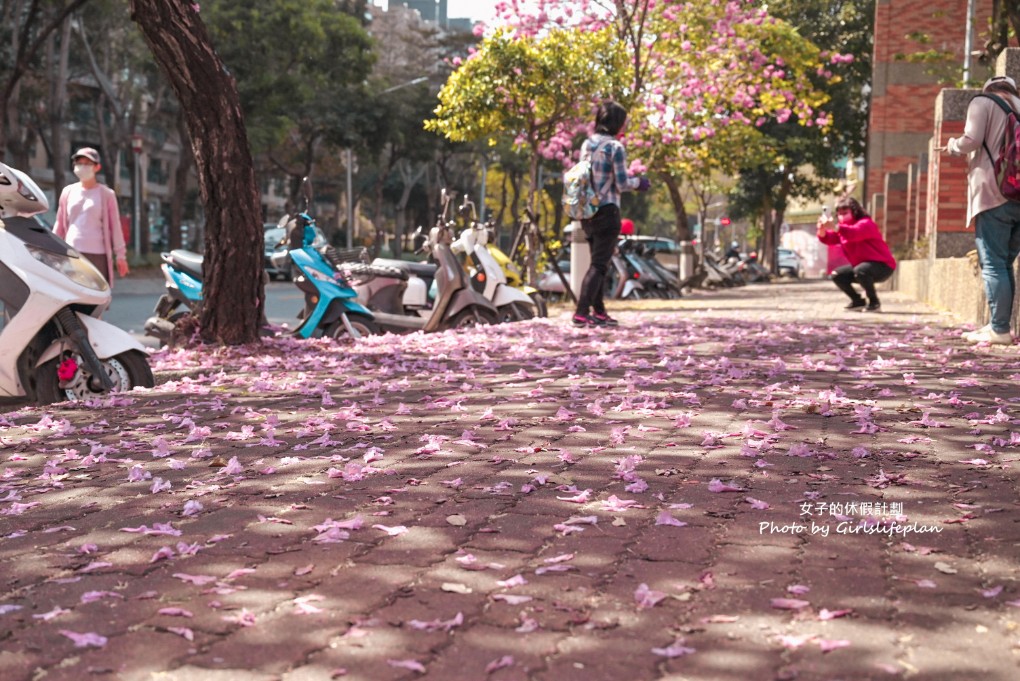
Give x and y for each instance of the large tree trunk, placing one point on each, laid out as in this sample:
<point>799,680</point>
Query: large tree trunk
<point>232,289</point>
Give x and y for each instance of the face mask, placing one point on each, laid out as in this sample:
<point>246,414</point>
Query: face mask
<point>84,172</point>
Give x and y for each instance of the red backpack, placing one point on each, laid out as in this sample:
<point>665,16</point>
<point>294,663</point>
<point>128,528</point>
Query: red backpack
<point>1007,163</point>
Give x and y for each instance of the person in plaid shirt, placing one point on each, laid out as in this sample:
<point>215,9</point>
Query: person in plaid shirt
<point>609,179</point>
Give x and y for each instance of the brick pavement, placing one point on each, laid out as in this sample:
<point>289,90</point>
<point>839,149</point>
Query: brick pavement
<point>532,502</point>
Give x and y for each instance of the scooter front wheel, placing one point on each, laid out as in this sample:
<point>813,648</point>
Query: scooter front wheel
<point>126,371</point>
<point>471,317</point>
<point>541,309</point>
<point>515,312</point>
<point>360,323</point>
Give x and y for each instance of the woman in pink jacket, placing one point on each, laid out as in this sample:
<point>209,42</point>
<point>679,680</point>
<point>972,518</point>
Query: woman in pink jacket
<point>871,262</point>
<point>88,219</point>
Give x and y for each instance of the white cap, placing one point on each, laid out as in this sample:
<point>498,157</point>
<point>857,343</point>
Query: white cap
<point>999,79</point>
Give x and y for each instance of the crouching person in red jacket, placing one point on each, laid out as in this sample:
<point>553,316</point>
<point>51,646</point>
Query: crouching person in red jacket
<point>871,262</point>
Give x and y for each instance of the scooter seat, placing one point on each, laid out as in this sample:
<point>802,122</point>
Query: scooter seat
<point>418,269</point>
<point>359,269</point>
<point>188,261</point>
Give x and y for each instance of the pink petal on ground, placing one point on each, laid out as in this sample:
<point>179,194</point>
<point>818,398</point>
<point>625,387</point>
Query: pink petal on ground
<point>175,612</point>
<point>183,632</point>
<point>615,504</point>
<point>85,640</point>
<point>57,611</point>
<point>512,599</point>
<point>798,589</point>
<point>666,518</point>
<point>992,593</point>
<point>646,597</point>
<point>788,603</point>
<point>793,642</point>
<point>828,645</point>
<point>925,583</point>
<point>824,614</point>
<point>413,665</point>
<point>580,498</point>
<point>757,504</point>
<point>716,485</point>
<point>391,531</point>
<point>505,661</point>
<point>516,580</point>
<point>676,649</point>
<point>197,580</point>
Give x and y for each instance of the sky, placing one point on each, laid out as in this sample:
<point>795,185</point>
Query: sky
<point>479,10</point>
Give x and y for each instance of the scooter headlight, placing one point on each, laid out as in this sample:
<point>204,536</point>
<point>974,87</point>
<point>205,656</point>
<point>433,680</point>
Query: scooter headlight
<point>75,268</point>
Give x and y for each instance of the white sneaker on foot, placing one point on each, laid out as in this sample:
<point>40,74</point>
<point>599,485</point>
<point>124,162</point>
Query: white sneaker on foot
<point>986,335</point>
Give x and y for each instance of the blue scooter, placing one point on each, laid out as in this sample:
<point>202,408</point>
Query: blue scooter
<point>331,306</point>
<point>182,272</point>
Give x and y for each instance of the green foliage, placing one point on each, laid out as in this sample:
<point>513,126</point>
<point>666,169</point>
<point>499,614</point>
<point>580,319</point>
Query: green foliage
<point>523,88</point>
<point>293,60</point>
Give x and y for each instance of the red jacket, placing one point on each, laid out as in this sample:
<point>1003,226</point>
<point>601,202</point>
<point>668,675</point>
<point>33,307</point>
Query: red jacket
<point>861,242</point>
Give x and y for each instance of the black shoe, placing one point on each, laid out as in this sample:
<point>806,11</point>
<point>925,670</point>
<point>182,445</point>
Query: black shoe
<point>855,305</point>
<point>584,321</point>
<point>873,307</point>
<point>603,319</point>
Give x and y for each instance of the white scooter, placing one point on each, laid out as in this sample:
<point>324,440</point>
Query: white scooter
<point>53,346</point>
<point>487,277</point>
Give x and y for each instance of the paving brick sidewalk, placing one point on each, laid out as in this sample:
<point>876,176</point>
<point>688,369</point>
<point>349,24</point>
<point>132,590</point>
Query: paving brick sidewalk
<point>715,491</point>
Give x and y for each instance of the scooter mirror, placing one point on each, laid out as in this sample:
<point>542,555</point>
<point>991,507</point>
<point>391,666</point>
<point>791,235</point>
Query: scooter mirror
<point>306,191</point>
<point>419,240</point>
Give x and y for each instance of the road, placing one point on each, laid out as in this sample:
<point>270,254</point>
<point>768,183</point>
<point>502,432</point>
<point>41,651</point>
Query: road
<point>135,297</point>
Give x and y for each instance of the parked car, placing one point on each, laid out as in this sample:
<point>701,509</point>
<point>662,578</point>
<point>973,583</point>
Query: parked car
<point>666,250</point>
<point>789,263</point>
<point>275,242</point>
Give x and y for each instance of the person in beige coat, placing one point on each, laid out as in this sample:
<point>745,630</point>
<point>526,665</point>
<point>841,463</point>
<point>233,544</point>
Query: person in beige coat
<point>996,220</point>
<point>88,217</point>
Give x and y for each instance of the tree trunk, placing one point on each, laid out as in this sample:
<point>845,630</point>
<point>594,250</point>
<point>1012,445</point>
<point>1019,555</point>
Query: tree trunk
<point>232,288</point>
<point>59,62</point>
<point>683,230</point>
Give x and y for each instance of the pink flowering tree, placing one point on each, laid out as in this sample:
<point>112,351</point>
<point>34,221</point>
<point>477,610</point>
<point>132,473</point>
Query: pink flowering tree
<point>703,78</point>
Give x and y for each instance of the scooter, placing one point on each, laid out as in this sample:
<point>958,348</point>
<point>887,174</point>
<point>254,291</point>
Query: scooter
<point>53,346</point>
<point>331,306</point>
<point>486,275</point>
<point>455,305</point>
<point>513,275</point>
<point>622,282</point>
<point>182,272</point>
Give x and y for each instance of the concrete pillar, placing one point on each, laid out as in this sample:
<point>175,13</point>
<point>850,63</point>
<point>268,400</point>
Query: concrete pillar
<point>580,257</point>
<point>894,218</point>
<point>878,208</point>
<point>947,197</point>
<point>686,260</point>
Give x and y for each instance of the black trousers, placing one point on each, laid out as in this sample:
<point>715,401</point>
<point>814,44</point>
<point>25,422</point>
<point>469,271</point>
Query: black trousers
<point>867,274</point>
<point>602,231</point>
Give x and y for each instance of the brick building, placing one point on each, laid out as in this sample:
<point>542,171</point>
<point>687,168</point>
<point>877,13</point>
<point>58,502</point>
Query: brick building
<point>903,112</point>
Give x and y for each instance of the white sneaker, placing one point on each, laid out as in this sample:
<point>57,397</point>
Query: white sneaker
<point>986,335</point>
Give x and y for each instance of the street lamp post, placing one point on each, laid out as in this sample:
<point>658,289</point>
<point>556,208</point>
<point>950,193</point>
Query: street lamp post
<point>349,162</point>
<point>136,191</point>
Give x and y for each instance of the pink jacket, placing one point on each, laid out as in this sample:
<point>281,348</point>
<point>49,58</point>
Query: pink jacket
<point>861,242</point>
<point>113,237</point>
